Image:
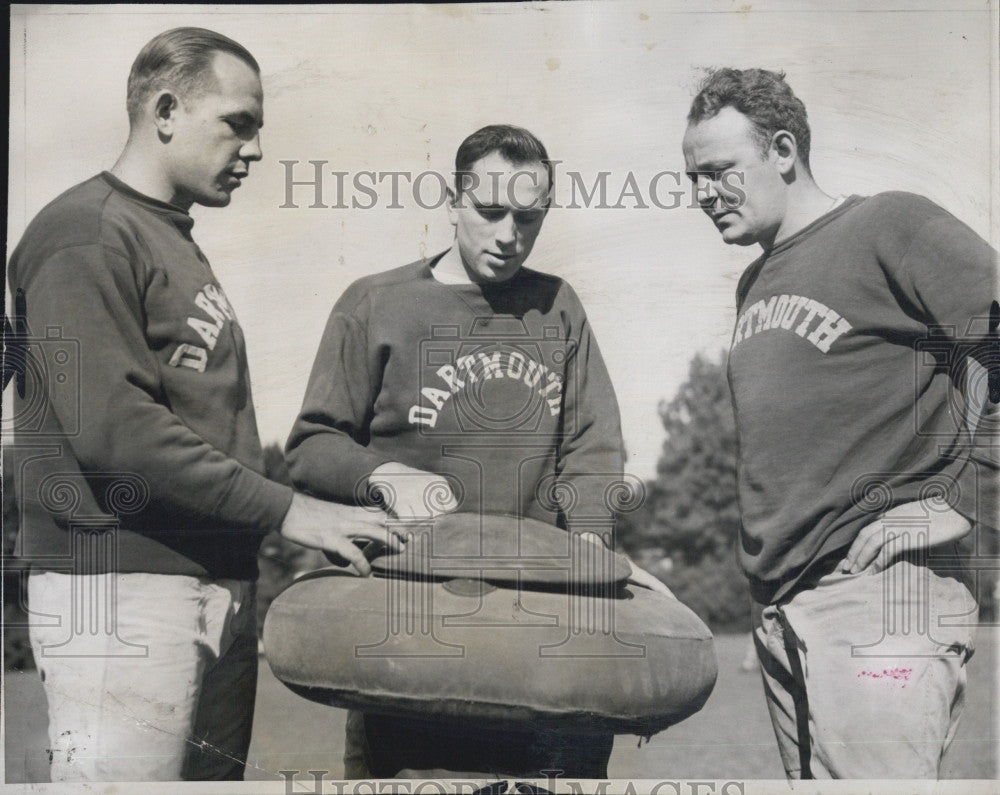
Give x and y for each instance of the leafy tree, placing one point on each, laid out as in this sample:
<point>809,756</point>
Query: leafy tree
<point>692,519</point>
<point>695,505</point>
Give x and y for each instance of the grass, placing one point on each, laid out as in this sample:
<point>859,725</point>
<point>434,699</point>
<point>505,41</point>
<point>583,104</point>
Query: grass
<point>730,738</point>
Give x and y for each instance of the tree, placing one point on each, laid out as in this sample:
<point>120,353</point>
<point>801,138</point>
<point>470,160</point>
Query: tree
<point>694,512</point>
<point>695,503</point>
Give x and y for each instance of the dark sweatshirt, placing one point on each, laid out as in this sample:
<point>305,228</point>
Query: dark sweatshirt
<point>137,413</point>
<point>841,411</point>
<point>502,387</point>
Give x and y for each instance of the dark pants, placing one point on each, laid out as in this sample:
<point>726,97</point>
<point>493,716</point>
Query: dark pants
<point>410,748</point>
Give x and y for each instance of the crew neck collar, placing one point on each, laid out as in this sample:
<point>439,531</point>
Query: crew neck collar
<point>840,206</point>
<point>179,216</point>
<point>477,287</point>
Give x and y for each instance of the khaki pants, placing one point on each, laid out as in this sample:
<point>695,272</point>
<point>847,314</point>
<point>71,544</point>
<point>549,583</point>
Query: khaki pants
<point>148,677</point>
<point>864,674</point>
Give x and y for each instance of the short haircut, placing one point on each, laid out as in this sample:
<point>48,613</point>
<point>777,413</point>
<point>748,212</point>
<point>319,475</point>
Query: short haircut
<point>516,144</point>
<point>762,96</point>
<point>181,60</point>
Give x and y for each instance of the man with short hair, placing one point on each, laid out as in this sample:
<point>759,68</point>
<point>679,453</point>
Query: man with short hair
<point>856,478</point>
<point>140,488</point>
<point>469,382</point>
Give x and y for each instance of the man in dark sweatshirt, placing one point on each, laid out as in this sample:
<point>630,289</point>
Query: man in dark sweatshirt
<point>466,382</point>
<point>858,477</point>
<point>139,468</point>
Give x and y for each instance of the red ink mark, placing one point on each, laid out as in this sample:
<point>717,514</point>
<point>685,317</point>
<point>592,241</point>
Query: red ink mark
<point>894,674</point>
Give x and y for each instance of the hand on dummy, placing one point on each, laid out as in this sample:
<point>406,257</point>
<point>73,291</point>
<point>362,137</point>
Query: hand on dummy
<point>878,543</point>
<point>409,493</point>
<point>638,576</point>
<point>333,528</point>
<point>647,580</point>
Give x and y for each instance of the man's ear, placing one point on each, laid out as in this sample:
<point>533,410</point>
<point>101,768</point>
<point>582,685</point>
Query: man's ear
<point>785,150</point>
<point>164,112</point>
<point>451,204</point>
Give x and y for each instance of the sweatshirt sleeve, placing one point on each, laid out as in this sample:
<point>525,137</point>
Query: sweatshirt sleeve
<point>951,275</point>
<point>92,295</point>
<point>591,453</point>
<point>327,449</point>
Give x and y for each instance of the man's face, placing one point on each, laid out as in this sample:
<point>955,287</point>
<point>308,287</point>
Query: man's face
<point>498,216</point>
<point>740,188</point>
<point>216,136</point>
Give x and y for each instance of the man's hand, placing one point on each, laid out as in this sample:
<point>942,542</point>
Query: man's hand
<point>897,532</point>
<point>332,527</point>
<point>409,493</point>
<point>647,580</point>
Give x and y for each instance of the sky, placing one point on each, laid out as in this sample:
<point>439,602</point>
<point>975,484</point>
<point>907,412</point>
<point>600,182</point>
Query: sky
<point>900,96</point>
